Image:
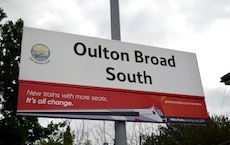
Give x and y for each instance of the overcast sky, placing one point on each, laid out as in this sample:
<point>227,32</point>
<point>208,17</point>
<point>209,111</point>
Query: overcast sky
<point>198,26</point>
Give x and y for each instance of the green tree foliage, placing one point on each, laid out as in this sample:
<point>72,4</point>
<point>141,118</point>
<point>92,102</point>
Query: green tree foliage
<point>68,136</point>
<point>216,132</point>
<point>59,136</point>
<point>14,130</point>
<point>56,137</point>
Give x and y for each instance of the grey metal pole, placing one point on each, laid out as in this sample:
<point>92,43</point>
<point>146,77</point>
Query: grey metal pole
<point>115,20</point>
<point>120,133</point>
<point>120,126</point>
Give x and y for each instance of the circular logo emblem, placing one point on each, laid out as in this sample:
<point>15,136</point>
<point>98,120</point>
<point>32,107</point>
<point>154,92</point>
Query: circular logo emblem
<point>40,52</point>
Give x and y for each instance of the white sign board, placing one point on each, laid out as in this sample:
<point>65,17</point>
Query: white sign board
<point>90,61</point>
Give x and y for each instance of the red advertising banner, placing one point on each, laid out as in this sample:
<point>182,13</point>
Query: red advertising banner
<point>71,76</point>
<point>62,100</point>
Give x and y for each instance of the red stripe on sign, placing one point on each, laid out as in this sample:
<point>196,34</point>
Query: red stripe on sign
<point>111,89</point>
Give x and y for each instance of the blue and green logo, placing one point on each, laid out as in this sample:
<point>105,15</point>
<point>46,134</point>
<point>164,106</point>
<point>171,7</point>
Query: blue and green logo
<point>40,53</point>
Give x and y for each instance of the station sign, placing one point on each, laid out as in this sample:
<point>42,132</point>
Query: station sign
<point>72,76</point>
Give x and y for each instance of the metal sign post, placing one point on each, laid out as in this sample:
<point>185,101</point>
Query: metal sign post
<point>120,126</point>
<point>115,20</point>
